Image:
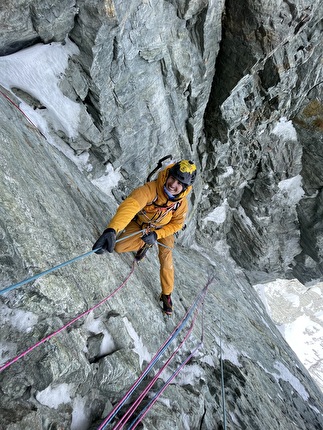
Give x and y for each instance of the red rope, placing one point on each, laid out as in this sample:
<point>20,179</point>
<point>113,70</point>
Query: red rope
<point>16,106</point>
<point>10,362</point>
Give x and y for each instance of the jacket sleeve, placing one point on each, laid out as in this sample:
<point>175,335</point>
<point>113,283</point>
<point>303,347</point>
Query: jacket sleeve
<point>127,210</point>
<point>176,222</point>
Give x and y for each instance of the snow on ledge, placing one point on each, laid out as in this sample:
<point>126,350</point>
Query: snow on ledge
<point>37,71</point>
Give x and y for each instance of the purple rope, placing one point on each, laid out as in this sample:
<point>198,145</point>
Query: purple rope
<point>175,332</point>
<point>144,412</point>
<point>134,406</point>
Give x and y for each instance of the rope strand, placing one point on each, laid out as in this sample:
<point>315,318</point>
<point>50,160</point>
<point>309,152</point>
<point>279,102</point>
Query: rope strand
<point>59,266</point>
<point>26,116</point>
<point>144,412</point>
<point>222,378</point>
<point>159,353</point>
<point>134,406</point>
<point>15,359</point>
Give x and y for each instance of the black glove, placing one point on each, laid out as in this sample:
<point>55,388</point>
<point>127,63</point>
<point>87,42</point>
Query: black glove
<point>150,238</point>
<point>106,241</point>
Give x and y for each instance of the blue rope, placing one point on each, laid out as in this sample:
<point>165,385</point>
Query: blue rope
<point>59,266</point>
<point>160,353</point>
<point>139,417</point>
<point>144,411</point>
<point>25,281</point>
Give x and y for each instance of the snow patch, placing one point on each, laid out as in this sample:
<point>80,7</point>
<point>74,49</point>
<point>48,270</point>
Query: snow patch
<point>37,71</point>
<point>218,215</point>
<point>285,130</point>
<point>297,313</point>
<point>189,374</point>
<point>229,172</point>
<point>207,359</point>
<point>80,419</point>
<point>139,348</point>
<point>17,318</point>
<point>96,326</point>
<point>108,181</point>
<point>230,353</point>
<point>300,334</point>
<point>53,396</point>
<point>286,375</point>
<point>185,420</point>
<point>292,190</point>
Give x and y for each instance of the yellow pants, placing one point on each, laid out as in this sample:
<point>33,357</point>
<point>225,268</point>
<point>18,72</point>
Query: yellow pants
<point>165,256</point>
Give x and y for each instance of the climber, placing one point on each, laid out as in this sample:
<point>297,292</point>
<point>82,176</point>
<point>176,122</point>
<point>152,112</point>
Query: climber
<point>159,207</point>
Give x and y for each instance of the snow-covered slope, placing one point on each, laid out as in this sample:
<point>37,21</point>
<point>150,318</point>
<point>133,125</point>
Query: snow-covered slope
<point>297,311</point>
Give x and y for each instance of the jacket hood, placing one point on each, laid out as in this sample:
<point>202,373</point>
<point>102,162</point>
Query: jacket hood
<point>161,181</point>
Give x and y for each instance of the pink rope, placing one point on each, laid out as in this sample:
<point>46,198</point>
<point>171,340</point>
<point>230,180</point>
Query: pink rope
<point>141,416</point>
<point>10,362</point>
<point>165,386</point>
<point>16,106</point>
<point>134,406</point>
<point>153,361</point>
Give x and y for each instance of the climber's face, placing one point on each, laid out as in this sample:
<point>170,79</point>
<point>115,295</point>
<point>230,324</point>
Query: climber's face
<point>174,186</point>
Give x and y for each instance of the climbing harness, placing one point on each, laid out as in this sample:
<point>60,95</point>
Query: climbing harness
<point>159,214</point>
<point>59,266</point>
<point>27,351</point>
<point>199,299</point>
<point>155,213</point>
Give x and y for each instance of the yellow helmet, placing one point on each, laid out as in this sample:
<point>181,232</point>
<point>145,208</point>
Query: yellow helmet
<point>184,171</point>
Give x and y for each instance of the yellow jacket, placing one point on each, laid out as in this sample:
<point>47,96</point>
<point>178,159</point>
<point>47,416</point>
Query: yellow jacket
<point>150,206</point>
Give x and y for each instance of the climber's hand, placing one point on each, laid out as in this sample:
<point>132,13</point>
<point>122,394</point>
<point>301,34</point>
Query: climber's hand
<point>106,241</point>
<point>150,238</point>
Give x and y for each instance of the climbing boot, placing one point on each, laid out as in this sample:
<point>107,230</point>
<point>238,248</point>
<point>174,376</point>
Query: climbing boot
<point>167,304</point>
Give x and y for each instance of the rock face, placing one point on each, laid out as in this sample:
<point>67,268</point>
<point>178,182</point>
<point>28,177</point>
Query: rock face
<point>268,71</point>
<point>237,88</point>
